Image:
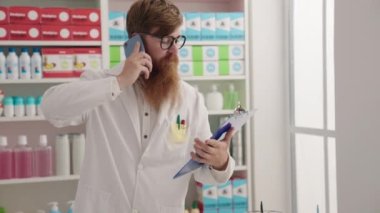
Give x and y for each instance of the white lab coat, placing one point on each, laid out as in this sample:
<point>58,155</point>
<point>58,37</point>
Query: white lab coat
<point>117,176</point>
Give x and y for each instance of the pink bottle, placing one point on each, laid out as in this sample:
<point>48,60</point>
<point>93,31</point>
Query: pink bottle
<point>43,158</point>
<point>6,160</point>
<point>23,158</point>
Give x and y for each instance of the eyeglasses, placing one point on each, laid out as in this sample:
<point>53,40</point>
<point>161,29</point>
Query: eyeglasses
<point>168,41</point>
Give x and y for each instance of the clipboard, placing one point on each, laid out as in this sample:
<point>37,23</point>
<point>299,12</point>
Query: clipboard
<point>237,120</point>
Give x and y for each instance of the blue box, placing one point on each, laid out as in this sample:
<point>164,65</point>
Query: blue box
<point>226,210</point>
<point>240,194</point>
<point>225,195</point>
<point>210,211</point>
<point>223,26</point>
<point>117,26</point>
<point>208,195</point>
<point>193,26</point>
<point>240,210</point>
<point>208,26</point>
<point>237,26</point>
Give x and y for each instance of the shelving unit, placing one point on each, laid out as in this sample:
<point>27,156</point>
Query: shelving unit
<point>16,126</point>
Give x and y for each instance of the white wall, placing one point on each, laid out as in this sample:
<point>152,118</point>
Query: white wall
<point>271,142</point>
<point>357,60</point>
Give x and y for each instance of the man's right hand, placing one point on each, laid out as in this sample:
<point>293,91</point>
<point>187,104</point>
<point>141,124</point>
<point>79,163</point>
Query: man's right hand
<point>137,63</point>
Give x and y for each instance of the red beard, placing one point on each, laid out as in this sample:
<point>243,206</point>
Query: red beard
<point>163,82</point>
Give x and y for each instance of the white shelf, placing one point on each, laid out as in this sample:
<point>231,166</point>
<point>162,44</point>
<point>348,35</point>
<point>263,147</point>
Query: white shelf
<point>221,112</point>
<point>50,43</point>
<point>241,168</point>
<point>189,43</point>
<point>21,119</point>
<point>213,78</point>
<point>39,81</point>
<point>39,180</point>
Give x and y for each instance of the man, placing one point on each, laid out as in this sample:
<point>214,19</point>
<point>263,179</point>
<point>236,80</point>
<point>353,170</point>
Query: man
<point>142,123</point>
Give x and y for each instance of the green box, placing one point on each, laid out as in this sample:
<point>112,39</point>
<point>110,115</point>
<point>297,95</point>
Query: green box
<point>198,68</point>
<point>197,53</point>
<point>223,52</point>
<point>224,67</point>
<point>115,53</point>
<point>114,63</point>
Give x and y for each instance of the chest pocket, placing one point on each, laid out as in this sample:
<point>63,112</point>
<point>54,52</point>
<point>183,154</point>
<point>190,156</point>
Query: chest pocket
<point>178,134</point>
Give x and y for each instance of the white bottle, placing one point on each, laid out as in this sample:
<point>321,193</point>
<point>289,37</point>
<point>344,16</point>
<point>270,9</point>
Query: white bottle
<point>12,64</point>
<point>36,64</point>
<point>3,65</point>
<point>30,106</point>
<point>38,106</point>
<point>62,155</point>
<point>54,207</point>
<point>201,94</point>
<point>214,99</point>
<point>71,206</point>
<point>78,152</point>
<point>24,64</point>
<point>19,106</point>
<point>9,109</point>
<point>43,158</point>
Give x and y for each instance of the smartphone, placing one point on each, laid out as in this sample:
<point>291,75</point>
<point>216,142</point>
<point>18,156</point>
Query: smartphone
<point>130,45</point>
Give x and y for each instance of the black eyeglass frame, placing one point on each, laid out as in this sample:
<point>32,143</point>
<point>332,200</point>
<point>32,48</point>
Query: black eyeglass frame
<point>173,39</point>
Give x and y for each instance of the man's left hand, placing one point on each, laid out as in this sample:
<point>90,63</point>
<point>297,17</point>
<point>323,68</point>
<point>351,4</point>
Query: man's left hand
<point>213,152</point>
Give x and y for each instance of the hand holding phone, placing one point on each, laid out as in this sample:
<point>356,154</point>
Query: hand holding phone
<point>137,62</point>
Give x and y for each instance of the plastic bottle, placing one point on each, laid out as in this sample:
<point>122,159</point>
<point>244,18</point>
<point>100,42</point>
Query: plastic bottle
<point>62,155</point>
<point>24,64</point>
<point>36,64</point>
<point>43,158</point>
<point>30,106</point>
<point>23,156</point>
<point>1,95</point>
<point>3,65</point>
<point>231,98</point>
<point>78,152</point>
<point>19,106</point>
<point>6,159</point>
<point>38,106</point>
<point>12,64</point>
<point>214,99</point>
<point>9,110</point>
<point>194,208</point>
<point>197,89</point>
<point>54,207</point>
<point>71,206</point>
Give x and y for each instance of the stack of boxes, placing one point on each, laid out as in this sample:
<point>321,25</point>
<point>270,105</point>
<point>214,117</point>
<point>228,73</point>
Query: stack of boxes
<point>211,60</point>
<point>33,23</point>
<point>230,197</point>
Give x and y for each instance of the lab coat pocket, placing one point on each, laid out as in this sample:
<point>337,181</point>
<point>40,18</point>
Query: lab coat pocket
<point>177,138</point>
<point>94,200</point>
<point>171,209</point>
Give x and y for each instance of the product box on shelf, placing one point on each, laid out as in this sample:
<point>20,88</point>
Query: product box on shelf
<point>237,26</point>
<point>225,195</point>
<point>193,26</point>
<point>231,52</point>
<point>239,193</point>
<point>117,26</point>
<point>223,26</point>
<point>186,53</point>
<point>57,62</point>
<point>85,16</point>
<point>85,33</point>
<point>208,26</point>
<point>4,15</point>
<point>24,15</point>
<point>186,68</point>
<point>24,32</point>
<point>236,67</point>
<point>51,32</point>
<point>4,32</point>
<point>207,196</point>
<point>117,53</point>
<point>55,16</point>
<point>87,59</point>
<point>210,53</point>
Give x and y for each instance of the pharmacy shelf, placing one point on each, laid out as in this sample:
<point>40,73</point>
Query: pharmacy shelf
<point>39,81</point>
<point>190,43</point>
<point>21,119</point>
<point>214,78</point>
<point>39,180</point>
<point>50,43</point>
<point>241,168</point>
<point>221,112</point>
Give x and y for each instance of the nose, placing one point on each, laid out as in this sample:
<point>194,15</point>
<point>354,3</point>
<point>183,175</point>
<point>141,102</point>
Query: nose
<point>173,49</point>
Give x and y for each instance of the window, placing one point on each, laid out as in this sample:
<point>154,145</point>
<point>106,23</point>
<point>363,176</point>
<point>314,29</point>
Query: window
<point>313,106</point>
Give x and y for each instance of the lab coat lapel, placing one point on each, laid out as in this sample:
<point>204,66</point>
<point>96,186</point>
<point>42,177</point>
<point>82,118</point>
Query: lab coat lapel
<point>130,102</point>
